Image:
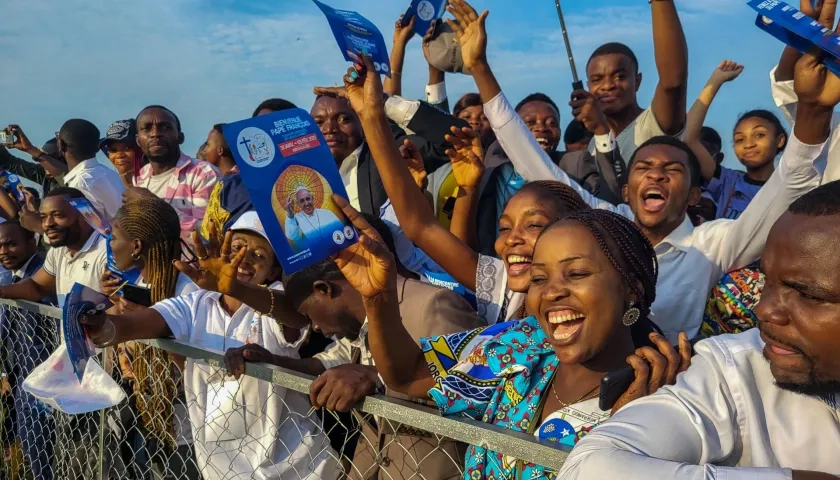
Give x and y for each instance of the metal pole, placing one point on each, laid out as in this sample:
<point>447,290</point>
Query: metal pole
<point>576,83</point>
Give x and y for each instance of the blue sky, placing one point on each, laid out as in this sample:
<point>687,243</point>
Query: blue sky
<point>214,60</point>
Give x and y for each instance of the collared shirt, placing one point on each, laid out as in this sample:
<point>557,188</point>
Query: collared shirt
<point>786,99</point>
<point>101,185</point>
<point>21,272</point>
<point>691,260</point>
<point>724,419</point>
<point>187,189</point>
<point>283,443</point>
<point>85,266</point>
<point>436,94</point>
<point>341,351</point>
<point>349,171</point>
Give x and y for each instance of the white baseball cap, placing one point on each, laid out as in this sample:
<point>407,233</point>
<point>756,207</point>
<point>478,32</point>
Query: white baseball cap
<point>249,222</point>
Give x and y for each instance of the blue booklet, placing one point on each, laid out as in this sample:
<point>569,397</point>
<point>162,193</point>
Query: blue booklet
<point>291,175</point>
<point>356,34</point>
<point>797,30</point>
<point>427,13</point>
<point>11,183</point>
<point>98,222</point>
<point>445,280</point>
<point>80,301</point>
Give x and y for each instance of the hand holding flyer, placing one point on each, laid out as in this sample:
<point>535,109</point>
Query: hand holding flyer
<point>80,301</point>
<point>426,12</point>
<point>291,175</point>
<point>11,183</point>
<point>356,35</point>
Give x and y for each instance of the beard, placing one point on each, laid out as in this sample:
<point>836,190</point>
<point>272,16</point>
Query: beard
<point>814,387</point>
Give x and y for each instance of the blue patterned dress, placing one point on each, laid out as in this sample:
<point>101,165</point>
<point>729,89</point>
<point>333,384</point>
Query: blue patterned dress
<point>497,375</point>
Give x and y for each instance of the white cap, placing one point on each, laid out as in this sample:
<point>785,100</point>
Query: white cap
<point>249,222</point>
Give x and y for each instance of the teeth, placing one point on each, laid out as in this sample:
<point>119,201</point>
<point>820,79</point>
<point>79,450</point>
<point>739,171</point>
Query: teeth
<point>562,336</point>
<point>560,317</point>
<point>518,259</point>
<point>242,271</point>
<point>542,140</point>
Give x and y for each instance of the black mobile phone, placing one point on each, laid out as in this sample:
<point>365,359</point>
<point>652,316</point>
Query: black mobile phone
<point>140,295</point>
<point>613,386</point>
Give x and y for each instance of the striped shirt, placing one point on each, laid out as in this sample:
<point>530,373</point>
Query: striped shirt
<point>187,189</point>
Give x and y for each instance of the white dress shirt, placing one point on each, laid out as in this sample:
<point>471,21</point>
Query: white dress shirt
<point>724,419</point>
<point>691,259</point>
<point>349,171</point>
<point>101,185</point>
<point>786,99</point>
<point>282,442</point>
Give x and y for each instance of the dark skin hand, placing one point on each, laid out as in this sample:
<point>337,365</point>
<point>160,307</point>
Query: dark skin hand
<point>339,388</point>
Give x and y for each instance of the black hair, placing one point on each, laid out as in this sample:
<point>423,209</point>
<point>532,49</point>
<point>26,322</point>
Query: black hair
<point>465,102</point>
<point>298,286</point>
<point>537,97</point>
<point>275,105</point>
<point>27,235</point>
<point>218,128</point>
<point>161,107</point>
<point>576,132</point>
<point>819,202</point>
<point>632,255</point>
<point>65,192</point>
<point>710,136</point>
<point>565,198</point>
<point>81,137</point>
<point>614,48</point>
<point>693,162</point>
<point>767,116</point>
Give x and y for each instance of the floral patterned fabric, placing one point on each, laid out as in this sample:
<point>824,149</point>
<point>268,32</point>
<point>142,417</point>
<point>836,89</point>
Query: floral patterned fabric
<point>495,374</point>
<point>731,302</point>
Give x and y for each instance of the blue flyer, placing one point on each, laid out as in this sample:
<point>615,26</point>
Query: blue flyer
<point>445,280</point>
<point>291,175</point>
<point>356,34</point>
<point>11,183</point>
<point>427,13</point>
<point>797,30</point>
<point>99,223</point>
<point>80,301</point>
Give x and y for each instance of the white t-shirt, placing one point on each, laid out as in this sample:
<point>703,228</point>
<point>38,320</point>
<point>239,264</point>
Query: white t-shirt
<point>157,183</point>
<point>282,442</point>
<point>183,286</point>
<point>101,185</point>
<point>85,266</point>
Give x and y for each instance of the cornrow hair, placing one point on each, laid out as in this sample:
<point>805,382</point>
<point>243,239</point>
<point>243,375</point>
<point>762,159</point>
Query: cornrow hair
<point>155,223</point>
<point>565,198</point>
<point>632,255</point>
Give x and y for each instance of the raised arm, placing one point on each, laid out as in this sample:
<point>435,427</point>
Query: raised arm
<point>402,35</point>
<point>415,215</point>
<point>671,54</point>
<point>725,72</point>
<point>468,169</point>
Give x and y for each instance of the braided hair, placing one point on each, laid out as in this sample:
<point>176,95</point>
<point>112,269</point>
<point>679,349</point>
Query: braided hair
<point>155,223</point>
<point>565,198</point>
<point>632,255</point>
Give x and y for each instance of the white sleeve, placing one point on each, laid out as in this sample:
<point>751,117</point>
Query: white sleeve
<point>400,110</point>
<point>676,433</point>
<point>528,158</point>
<point>178,313</point>
<point>436,94</point>
<point>733,244</point>
<point>293,231</point>
<point>338,353</point>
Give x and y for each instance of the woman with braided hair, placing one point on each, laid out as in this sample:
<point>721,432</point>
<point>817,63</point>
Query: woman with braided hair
<point>593,279</point>
<point>145,235</point>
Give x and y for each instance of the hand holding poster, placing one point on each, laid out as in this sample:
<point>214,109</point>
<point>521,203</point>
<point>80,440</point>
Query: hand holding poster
<point>80,301</point>
<point>291,175</point>
<point>98,222</point>
<point>797,30</point>
<point>356,35</point>
<point>11,183</point>
<point>427,12</point>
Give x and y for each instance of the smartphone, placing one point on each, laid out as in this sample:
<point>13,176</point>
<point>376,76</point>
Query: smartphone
<point>613,386</point>
<point>140,295</point>
<point>7,139</point>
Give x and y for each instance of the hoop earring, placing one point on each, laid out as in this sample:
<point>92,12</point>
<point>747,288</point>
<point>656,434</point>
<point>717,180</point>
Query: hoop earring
<point>136,256</point>
<point>631,316</point>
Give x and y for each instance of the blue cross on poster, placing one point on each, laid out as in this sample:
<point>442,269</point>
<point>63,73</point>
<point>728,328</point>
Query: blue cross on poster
<point>427,12</point>
<point>356,35</point>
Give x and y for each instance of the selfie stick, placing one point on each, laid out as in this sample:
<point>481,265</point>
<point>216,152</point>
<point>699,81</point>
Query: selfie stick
<point>576,83</point>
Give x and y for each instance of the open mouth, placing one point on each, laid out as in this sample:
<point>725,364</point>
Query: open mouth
<point>566,322</point>
<point>243,273</point>
<point>543,142</point>
<point>518,265</point>
<point>654,199</point>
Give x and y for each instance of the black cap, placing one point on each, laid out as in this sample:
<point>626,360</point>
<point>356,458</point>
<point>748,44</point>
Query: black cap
<point>119,131</point>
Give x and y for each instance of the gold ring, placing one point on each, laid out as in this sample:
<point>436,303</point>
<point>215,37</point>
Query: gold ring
<point>203,258</point>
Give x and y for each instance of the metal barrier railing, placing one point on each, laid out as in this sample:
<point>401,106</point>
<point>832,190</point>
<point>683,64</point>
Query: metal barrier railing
<point>278,437</point>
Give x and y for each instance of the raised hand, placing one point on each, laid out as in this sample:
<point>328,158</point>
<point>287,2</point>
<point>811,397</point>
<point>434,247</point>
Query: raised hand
<point>216,267</point>
<point>471,32</point>
<point>339,92</point>
<point>823,11</point>
<point>655,369</point>
<point>403,34</point>
<point>726,72</point>
<point>813,83</point>
<point>22,142</point>
<point>587,110</point>
<point>367,265</point>
<point>363,88</point>
<point>466,156</point>
<point>415,164</point>
<point>427,40</point>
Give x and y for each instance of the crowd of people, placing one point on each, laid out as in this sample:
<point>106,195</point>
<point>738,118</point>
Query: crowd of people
<point>496,276</point>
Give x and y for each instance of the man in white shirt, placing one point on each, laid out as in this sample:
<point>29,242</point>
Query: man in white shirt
<point>78,253</point>
<point>78,142</point>
<point>310,225</point>
<point>757,405</point>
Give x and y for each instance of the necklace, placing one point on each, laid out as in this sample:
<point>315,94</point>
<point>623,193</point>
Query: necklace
<point>586,396</point>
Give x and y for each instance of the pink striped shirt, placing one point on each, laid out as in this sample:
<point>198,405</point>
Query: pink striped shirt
<point>187,190</point>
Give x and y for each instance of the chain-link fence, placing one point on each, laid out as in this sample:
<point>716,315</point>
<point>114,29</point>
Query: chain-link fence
<point>183,419</point>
